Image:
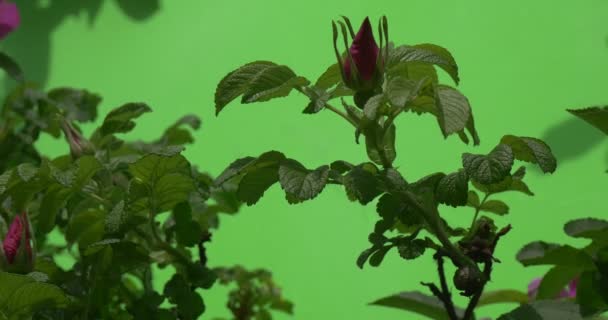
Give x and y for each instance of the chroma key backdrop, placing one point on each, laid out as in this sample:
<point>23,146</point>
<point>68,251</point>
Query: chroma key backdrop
<point>303,159</point>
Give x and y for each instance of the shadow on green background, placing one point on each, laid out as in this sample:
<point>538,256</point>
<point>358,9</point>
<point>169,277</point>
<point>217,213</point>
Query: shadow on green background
<point>522,64</point>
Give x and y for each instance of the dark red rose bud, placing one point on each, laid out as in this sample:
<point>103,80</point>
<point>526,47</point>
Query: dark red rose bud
<point>17,247</point>
<point>364,53</point>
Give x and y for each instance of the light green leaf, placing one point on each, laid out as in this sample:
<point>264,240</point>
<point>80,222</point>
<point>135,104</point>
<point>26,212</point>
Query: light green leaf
<point>329,78</point>
<point>495,206</point>
<point>502,296</point>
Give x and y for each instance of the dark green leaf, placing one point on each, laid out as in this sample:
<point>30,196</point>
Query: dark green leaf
<point>361,184</point>
<point>54,199</point>
<point>376,259</point>
<point>411,249</point>
<point>120,120</point>
<point>234,169</point>
<point>318,98</point>
<point>542,253</point>
<point>187,231</point>
<point>495,206</point>
<point>22,295</point>
<point>473,199</point>
<point>116,218</point>
<point>596,116</point>
<point>592,293</point>
<point>272,82</point>
<point>255,183</point>
<point>330,77</point>
<point>364,256</point>
<point>400,91</point>
<point>555,280</point>
<point>11,67</point>
<point>453,189</point>
<point>80,105</point>
<point>491,168</point>
<point>237,82</point>
<point>590,228</point>
<point>86,228</point>
<point>544,310</point>
<point>418,303</point>
<point>304,184</point>
<point>189,304</point>
<point>531,150</point>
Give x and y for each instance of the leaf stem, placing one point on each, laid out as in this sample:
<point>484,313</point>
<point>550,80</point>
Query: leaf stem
<point>478,209</point>
<point>340,113</point>
<point>447,297</point>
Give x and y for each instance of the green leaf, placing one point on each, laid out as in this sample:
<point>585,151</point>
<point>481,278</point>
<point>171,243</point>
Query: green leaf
<point>543,253</point>
<point>376,258</point>
<point>473,199</point>
<point>590,228</point>
<point>272,82</point>
<point>531,150</point>
<point>596,116</point>
<point>23,295</point>
<point>189,304</point>
<point>411,249</point>
<point>592,293</point>
<point>555,280</point>
<point>426,53</point>
<point>187,231</point>
<point>372,107</point>
<point>453,189</point>
<point>237,83</point>
<point>116,218</point>
<point>495,206</point>
<point>234,169</point>
<point>318,98</point>
<point>80,105</point>
<point>329,78</point>
<point>491,168</point>
<point>53,200</point>
<point>167,179</point>
<point>454,110</point>
<point>11,67</point>
<point>86,227</point>
<point>255,183</point>
<point>304,184</point>
<point>544,309</point>
<point>364,256</point>
<point>400,90</point>
<point>120,120</point>
<point>502,296</point>
<point>362,184</point>
<point>418,303</point>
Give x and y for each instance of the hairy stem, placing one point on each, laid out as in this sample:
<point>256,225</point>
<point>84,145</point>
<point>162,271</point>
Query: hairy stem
<point>487,270</point>
<point>340,113</point>
<point>447,296</point>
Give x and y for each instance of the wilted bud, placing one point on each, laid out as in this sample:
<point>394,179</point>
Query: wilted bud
<point>362,67</point>
<point>79,146</point>
<point>9,18</point>
<point>469,280</point>
<point>17,253</point>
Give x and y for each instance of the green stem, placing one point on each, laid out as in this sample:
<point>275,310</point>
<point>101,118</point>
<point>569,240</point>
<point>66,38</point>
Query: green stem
<point>340,113</point>
<point>162,244</point>
<point>434,224</point>
<point>100,200</point>
<point>478,209</point>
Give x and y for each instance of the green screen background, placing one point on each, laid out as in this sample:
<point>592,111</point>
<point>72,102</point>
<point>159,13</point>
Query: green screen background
<point>522,64</point>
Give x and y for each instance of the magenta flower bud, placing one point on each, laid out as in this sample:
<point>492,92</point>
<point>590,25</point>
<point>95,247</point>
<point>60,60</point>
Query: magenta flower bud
<point>362,67</point>
<point>17,252</point>
<point>364,53</point>
<point>79,146</point>
<point>9,18</point>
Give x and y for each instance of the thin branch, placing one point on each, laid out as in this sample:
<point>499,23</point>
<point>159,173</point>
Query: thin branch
<point>468,314</point>
<point>340,113</point>
<point>449,304</point>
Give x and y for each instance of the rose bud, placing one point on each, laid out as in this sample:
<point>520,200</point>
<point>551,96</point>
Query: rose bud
<point>79,146</point>
<point>17,251</point>
<point>362,67</point>
<point>9,18</point>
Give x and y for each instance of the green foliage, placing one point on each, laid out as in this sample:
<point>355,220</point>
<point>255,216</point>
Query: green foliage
<point>416,302</point>
<point>595,116</point>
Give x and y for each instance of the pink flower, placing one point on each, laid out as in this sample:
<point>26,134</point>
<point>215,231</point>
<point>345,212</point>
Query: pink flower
<point>570,292</point>
<point>17,246</point>
<point>9,18</point>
